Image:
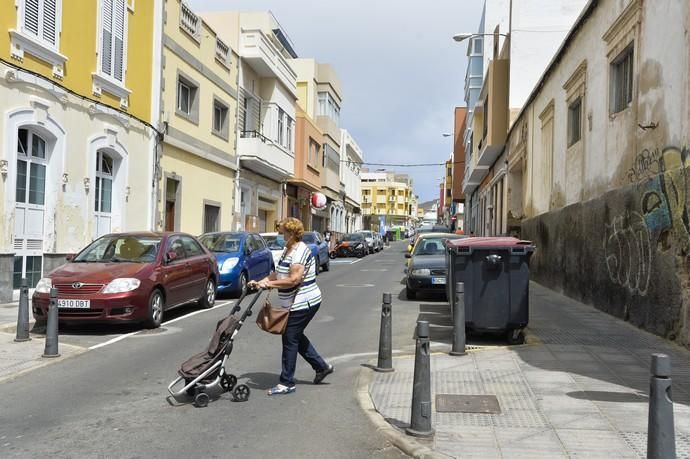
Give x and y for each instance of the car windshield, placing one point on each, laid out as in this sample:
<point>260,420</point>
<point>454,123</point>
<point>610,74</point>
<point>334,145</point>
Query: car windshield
<point>353,237</point>
<point>367,233</point>
<point>430,246</point>
<point>222,242</point>
<point>123,248</point>
<point>309,238</point>
<point>276,242</point>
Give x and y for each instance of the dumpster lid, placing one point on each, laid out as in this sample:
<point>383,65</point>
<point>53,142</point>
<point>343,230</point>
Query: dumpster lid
<point>488,242</point>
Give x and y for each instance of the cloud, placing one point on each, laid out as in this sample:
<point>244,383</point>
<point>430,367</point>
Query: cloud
<point>402,74</point>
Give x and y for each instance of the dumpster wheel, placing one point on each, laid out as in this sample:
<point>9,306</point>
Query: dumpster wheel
<point>516,336</point>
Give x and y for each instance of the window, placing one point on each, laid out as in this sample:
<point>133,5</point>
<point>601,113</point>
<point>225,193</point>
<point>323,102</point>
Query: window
<point>211,218</point>
<point>281,122</point>
<point>113,38</point>
<point>288,130</point>
<point>104,183</point>
<point>40,20</point>
<point>220,119</point>
<point>191,247</point>
<point>575,122</point>
<point>314,149</point>
<point>31,169</point>
<point>327,106</point>
<point>32,272</point>
<point>187,99</point>
<point>621,80</point>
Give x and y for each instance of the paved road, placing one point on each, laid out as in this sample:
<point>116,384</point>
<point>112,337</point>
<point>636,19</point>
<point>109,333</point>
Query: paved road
<point>111,401</point>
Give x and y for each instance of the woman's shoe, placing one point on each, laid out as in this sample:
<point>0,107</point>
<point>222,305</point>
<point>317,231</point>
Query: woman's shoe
<point>281,389</point>
<point>321,375</point>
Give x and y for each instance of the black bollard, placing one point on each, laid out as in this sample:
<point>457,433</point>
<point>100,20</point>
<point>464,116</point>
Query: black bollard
<point>385,363</point>
<point>459,321</point>
<point>23,313</point>
<point>51,348</point>
<point>661,436</point>
<point>420,423</point>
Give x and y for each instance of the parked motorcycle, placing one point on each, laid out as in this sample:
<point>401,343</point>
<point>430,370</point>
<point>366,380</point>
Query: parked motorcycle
<point>349,248</point>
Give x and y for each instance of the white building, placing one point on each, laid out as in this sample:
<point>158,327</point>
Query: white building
<point>266,118</point>
<point>351,158</point>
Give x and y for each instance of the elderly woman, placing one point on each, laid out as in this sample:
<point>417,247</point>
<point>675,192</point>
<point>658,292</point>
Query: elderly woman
<point>295,279</point>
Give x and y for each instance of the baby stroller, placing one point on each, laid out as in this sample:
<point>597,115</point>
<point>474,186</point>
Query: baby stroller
<point>205,372</point>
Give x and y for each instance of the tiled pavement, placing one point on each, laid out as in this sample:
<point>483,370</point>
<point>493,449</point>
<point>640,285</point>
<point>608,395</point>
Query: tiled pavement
<point>578,390</point>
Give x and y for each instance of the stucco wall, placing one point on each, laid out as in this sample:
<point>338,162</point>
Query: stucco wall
<point>621,255</point>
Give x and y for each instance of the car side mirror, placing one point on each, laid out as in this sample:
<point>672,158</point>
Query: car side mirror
<point>69,257</point>
<point>408,255</point>
<point>170,256</point>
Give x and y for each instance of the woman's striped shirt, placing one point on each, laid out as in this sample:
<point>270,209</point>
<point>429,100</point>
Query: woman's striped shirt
<point>305,294</point>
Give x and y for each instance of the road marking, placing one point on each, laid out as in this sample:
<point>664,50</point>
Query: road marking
<point>342,262</point>
<point>355,285</point>
<point>126,335</point>
<point>371,270</point>
<point>357,261</point>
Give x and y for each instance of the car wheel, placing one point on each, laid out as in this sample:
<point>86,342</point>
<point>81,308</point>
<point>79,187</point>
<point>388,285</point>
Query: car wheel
<point>155,310</point>
<point>411,294</point>
<point>209,296</point>
<point>317,268</point>
<point>242,290</point>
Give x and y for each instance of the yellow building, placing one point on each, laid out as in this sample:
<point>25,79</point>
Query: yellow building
<point>387,199</point>
<point>198,112</point>
<point>76,137</point>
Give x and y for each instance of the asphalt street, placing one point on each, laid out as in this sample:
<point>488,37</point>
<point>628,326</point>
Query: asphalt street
<point>112,400</point>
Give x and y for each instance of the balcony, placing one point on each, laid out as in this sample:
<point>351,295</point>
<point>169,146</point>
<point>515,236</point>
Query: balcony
<point>257,50</point>
<point>264,157</point>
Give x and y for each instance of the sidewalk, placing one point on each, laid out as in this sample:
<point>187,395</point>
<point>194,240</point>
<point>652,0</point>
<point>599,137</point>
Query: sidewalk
<point>19,358</point>
<point>577,389</point>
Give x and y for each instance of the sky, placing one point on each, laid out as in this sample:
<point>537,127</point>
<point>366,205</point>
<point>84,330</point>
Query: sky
<point>401,72</point>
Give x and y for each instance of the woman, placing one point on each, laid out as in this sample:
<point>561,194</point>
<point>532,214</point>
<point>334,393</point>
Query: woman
<point>295,279</point>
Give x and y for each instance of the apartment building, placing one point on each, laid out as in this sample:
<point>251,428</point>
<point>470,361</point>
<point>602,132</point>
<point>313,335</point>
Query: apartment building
<point>351,157</point>
<point>457,194</point>
<point>386,200</point>
<point>266,114</point>
<point>320,96</point>
<point>199,96</point>
<point>77,138</point>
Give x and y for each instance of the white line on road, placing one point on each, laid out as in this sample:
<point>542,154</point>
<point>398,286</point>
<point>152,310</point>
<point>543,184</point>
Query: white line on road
<point>121,337</point>
<point>355,285</point>
<point>371,270</point>
<point>357,261</point>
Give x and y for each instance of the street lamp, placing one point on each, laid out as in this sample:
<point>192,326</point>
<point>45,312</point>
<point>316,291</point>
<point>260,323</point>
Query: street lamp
<point>464,36</point>
<point>445,134</point>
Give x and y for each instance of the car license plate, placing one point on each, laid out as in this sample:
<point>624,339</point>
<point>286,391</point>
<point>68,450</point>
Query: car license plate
<point>74,304</point>
<point>438,280</point>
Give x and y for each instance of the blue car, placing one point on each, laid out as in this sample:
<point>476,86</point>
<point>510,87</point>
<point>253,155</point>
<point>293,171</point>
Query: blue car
<point>319,249</point>
<point>241,257</point>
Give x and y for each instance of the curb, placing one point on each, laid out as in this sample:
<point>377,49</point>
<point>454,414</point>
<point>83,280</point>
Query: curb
<point>401,441</point>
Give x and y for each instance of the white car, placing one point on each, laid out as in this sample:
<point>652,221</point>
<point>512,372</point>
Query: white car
<point>276,244</point>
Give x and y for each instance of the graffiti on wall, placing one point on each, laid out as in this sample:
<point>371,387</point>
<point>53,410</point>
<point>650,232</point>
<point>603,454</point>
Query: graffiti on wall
<point>628,252</point>
<point>663,221</point>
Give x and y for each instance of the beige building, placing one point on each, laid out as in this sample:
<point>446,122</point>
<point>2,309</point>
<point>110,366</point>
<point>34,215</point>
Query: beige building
<point>597,165</point>
<point>320,96</point>
<point>198,115</point>
<point>387,200</point>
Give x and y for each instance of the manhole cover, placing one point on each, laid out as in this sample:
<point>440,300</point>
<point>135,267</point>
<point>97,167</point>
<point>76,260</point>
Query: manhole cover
<point>450,403</point>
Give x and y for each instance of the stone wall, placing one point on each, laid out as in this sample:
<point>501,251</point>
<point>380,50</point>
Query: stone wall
<point>626,252</point>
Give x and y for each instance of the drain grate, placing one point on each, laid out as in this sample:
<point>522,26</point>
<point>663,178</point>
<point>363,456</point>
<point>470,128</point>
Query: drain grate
<point>452,403</point>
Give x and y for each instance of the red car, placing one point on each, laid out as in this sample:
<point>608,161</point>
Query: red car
<point>130,277</point>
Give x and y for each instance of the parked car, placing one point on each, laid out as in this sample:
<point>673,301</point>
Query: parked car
<point>242,256</point>
<point>276,244</point>
<point>378,242</point>
<point>319,249</point>
<point>130,277</point>
<point>350,245</point>
<point>369,238</point>
<point>426,267</point>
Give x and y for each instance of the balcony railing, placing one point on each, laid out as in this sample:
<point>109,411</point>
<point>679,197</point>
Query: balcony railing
<point>189,22</point>
<point>254,135</point>
<point>222,52</point>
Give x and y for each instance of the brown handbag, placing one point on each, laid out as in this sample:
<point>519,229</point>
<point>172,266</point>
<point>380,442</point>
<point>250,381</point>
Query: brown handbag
<point>272,320</point>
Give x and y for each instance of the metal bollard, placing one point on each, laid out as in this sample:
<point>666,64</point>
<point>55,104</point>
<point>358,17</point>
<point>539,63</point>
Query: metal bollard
<point>459,321</point>
<point>661,436</point>
<point>420,424</point>
<point>385,363</point>
<point>51,348</point>
<point>23,313</point>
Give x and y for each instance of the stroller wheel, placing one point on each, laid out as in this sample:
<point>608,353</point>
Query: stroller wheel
<point>227,382</point>
<point>201,399</point>
<point>241,393</point>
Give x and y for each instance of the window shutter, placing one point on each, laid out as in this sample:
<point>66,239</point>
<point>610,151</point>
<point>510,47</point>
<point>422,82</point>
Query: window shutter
<point>31,16</point>
<point>107,38</point>
<point>119,39</point>
<point>49,20</point>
